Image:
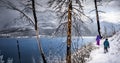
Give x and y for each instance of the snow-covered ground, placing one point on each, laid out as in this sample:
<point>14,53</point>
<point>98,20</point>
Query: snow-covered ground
<point>98,55</point>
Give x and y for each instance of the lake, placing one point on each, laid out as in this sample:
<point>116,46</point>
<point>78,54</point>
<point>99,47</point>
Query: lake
<point>29,52</point>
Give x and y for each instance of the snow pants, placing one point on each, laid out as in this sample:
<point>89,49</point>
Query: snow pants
<point>105,49</point>
<point>98,42</point>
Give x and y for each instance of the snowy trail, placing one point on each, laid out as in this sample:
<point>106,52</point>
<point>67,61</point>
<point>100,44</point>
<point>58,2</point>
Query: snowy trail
<point>98,55</point>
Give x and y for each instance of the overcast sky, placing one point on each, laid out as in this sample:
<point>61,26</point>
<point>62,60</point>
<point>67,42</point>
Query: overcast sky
<point>111,9</point>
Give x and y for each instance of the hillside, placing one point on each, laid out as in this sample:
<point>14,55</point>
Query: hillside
<point>13,25</point>
<point>98,55</point>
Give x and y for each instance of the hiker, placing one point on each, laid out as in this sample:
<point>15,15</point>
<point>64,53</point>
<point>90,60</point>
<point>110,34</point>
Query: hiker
<point>98,40</point>
<point>106,45</point>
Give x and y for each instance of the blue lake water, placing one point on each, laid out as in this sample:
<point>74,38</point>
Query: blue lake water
<point>29,48</point>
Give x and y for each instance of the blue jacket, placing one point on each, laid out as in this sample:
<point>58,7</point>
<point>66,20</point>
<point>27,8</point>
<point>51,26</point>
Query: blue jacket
<point>106,43</point>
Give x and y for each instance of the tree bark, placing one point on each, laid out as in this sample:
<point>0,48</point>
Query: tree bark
<point>37,33</point>
<point>97,17</point>
<point>68,57</point>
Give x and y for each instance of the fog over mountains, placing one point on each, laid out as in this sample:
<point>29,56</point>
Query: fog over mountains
<point>48,21</point>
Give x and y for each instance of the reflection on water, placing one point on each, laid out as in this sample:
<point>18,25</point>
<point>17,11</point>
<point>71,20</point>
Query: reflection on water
<point>29,50</point>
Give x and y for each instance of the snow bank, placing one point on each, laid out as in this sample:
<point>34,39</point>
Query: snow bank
<point>98,55</point>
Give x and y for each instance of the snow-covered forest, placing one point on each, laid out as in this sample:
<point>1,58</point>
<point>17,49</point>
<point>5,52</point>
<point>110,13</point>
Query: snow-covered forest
<point>58,31</point>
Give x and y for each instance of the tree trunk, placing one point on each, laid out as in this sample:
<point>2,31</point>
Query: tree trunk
<point>68,57</point>
<point>97,17</point>
<point>19,51</point>
<point>37,33</point>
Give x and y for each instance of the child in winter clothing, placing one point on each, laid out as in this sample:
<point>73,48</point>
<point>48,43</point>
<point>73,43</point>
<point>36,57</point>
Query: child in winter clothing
<point>98,40</point>
<point>106,45</point>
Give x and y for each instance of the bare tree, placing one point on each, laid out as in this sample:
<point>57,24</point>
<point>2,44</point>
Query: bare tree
<point>68,57</point>
<point>37,32</point>
<point>30,5</point>
<point>97,12</point>
<point>97,16</point>
<point>9,5</point>
<point>70,13</point>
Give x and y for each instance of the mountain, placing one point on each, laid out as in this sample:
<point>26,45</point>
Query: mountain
<point>24,31</point>
<point>13,25</point>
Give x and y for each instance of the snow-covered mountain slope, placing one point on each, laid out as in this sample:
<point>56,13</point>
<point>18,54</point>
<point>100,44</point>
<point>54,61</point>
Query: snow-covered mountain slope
<point>47,21</point>
<point>106,28</point>
<point>109,28</point>
<point>98,55</point>
<point>49,28</point>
